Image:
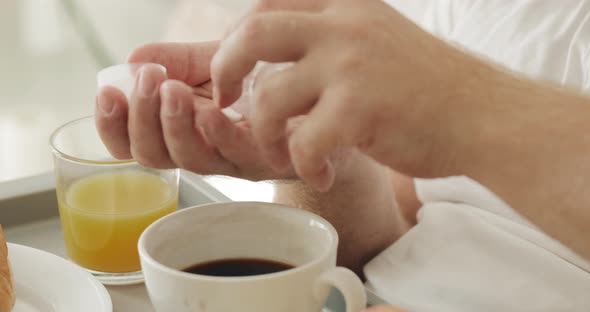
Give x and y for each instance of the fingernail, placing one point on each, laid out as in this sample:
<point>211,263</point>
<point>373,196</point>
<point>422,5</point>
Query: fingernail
<point>147,85</point>
<point>105,105</point>
<point>325,177</point>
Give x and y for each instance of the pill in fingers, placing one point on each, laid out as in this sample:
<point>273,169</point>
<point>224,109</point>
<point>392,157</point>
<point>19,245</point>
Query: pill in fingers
<point>231,114</point>
<point>122,76</point>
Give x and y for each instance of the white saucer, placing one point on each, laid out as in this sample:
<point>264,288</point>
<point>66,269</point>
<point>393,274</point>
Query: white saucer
<point>45,282</point>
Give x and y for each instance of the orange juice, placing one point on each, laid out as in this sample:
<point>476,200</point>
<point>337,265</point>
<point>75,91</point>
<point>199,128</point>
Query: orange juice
<point>103,216</point>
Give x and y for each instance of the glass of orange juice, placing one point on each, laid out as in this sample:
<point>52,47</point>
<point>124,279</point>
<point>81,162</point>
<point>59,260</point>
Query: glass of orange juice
<point>105,203</point>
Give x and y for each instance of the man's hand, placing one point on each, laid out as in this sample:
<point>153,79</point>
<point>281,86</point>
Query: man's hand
<point>198,137</point>
<point>365,76</point>
<point>172,122</point>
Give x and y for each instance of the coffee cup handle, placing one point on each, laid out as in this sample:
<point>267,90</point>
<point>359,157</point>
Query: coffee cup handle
<point>347,283</point>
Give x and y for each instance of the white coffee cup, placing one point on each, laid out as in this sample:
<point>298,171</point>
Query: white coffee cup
<point>245,230</point>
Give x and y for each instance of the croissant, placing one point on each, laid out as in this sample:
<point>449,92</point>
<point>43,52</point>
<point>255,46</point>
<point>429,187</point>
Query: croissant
<point>7,295</point>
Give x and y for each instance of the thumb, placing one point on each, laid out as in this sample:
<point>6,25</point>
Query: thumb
<point>187,62</point>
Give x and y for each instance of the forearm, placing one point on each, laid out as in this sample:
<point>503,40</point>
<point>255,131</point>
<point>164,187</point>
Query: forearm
<point>360,205</point>
<point>534,152</point>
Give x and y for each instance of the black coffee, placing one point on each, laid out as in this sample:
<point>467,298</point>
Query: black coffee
<point>238,267</point>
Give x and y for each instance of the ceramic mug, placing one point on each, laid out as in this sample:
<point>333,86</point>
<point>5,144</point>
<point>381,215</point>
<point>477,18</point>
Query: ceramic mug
<point>245,230</point>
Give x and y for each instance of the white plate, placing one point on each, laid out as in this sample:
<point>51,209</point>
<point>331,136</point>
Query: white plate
<point>47,283</point>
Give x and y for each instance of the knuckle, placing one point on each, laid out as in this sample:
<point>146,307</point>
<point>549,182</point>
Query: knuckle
<point>253,27</point>
<point>349,63</point>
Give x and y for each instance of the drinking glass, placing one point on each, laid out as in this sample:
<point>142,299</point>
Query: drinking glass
<point>106,203</point>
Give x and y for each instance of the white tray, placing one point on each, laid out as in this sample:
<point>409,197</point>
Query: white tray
<point>28,210</point>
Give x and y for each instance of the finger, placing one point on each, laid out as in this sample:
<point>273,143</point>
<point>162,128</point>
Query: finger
<point>330,126</point>
<point>273,37</point>
<point>303,5</point>
<point>145,130</point>
<point>274,5</point>
<point>186,145</point>
<point>278,98</point>
<point>111,121</point>
<point>223,134</point>
<point>187,62</point>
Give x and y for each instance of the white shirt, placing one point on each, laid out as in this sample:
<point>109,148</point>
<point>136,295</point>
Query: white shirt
<point>470,251</point>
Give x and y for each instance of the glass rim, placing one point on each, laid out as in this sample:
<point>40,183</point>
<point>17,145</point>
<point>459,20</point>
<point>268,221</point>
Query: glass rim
<point>59,153</point>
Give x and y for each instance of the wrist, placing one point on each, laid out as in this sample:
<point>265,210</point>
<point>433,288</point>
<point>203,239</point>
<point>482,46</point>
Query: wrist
<point>504,122</point>
<point>482,109</point>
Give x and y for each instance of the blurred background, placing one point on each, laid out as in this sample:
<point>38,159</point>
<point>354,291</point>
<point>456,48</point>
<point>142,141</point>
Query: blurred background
<point>50,51</point>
